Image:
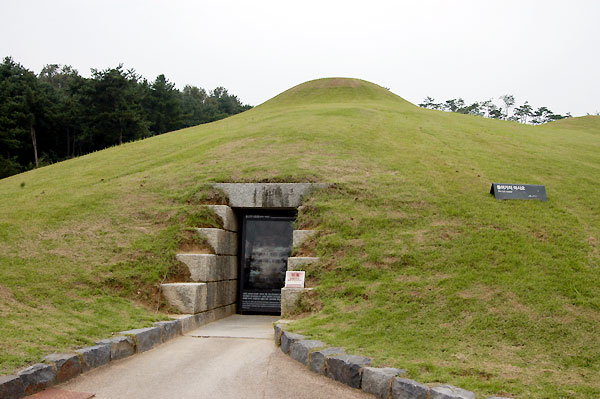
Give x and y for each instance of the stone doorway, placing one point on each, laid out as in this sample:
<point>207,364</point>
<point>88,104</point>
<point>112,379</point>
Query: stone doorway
<point>218,281</point>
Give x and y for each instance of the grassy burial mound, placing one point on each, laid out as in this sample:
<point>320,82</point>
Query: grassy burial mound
<point>420,267</point>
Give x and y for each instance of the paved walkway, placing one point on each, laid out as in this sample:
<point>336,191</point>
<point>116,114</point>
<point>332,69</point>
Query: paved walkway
<point>230,358</point>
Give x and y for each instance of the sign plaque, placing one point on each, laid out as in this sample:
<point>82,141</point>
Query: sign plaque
<point>294,279</point>
<point>504,191</point>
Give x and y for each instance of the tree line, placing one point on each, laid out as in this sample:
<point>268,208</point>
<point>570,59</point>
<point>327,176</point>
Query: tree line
<point>524,113</point>
<point>58,114</point>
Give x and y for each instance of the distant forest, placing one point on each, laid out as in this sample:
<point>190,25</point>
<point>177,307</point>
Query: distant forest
<point>524,113</point>
<point>58,114</point>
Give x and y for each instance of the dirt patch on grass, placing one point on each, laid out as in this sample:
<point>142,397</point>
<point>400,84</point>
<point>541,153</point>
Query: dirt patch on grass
<point>574,312</point>
<point>5,249</point>
<point>534,373</point>
<point>218,154</point>
<point>481,292</point>
<point>7,299</point>
<point>419,236</point>
<point>540,235</point>
<point>77,241</point>
<point>407,279</point>
<point>5,293</point>
<point>445,222</point>
<point>593,243</point>
<point>498,301</point>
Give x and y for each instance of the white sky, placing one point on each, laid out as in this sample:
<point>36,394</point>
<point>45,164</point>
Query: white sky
<point>546,51</point>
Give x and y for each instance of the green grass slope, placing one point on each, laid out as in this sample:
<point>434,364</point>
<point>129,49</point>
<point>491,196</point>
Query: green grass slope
<point>421,268</point>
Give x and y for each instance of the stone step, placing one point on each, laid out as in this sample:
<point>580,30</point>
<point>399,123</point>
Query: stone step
<point>290,299</point>
<point>297,262</point>
<point>208,267</point>
<point>188,298</point>
<point>227,216</point>
<point>221,293</point>
<point>222,242</point>
<point>192,298</point>
<point>299,236</point>
<point>191,322</point>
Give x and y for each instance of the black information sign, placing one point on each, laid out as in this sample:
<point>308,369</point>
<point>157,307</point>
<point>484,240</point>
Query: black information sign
<point>519,191</point>
<point>266,245</point>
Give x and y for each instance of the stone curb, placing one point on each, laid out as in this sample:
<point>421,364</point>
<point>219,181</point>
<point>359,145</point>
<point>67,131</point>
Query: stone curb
<point>287,339</point>
<point>11,386</point>
<point>301,350</point>
<point>94,356</point>
<point>145,338</point>
<point>120,347</point>
<point>317,360</point>
<point>60,367</point>
<point>66,365</point>
<point>378,381</point>
<point>170,329</point>
<point>347,369</point>
<point>37,377</point>
<point>354,371</point>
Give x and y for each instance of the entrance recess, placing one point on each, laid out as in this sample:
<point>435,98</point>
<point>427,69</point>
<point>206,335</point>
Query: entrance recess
<point>266,244</point>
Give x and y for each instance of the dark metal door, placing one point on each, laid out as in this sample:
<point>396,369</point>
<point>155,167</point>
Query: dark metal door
<point>266,244</point>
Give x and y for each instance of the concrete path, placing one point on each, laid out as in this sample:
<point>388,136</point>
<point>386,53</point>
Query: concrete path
<point>230,358</point>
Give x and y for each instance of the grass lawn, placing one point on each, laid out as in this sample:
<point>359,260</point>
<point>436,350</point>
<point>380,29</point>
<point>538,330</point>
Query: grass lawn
<point>421,268</point>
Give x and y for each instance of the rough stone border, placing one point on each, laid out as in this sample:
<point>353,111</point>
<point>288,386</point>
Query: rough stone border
<point>57,368</point>
<point>354,371</point>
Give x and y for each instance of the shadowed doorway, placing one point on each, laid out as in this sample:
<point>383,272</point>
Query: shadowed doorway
<point>266,244</point>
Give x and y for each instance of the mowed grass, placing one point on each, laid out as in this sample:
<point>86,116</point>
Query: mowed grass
<point>421,268</point>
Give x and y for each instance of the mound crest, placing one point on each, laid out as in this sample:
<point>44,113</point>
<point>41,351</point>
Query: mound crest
<point>590,123</point>
<point>335,90</point>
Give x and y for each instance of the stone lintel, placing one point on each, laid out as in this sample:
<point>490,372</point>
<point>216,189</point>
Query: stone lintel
<point>267,195</point>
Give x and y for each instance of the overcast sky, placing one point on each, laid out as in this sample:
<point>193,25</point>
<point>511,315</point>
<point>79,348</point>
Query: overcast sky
<point>546,52</point>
